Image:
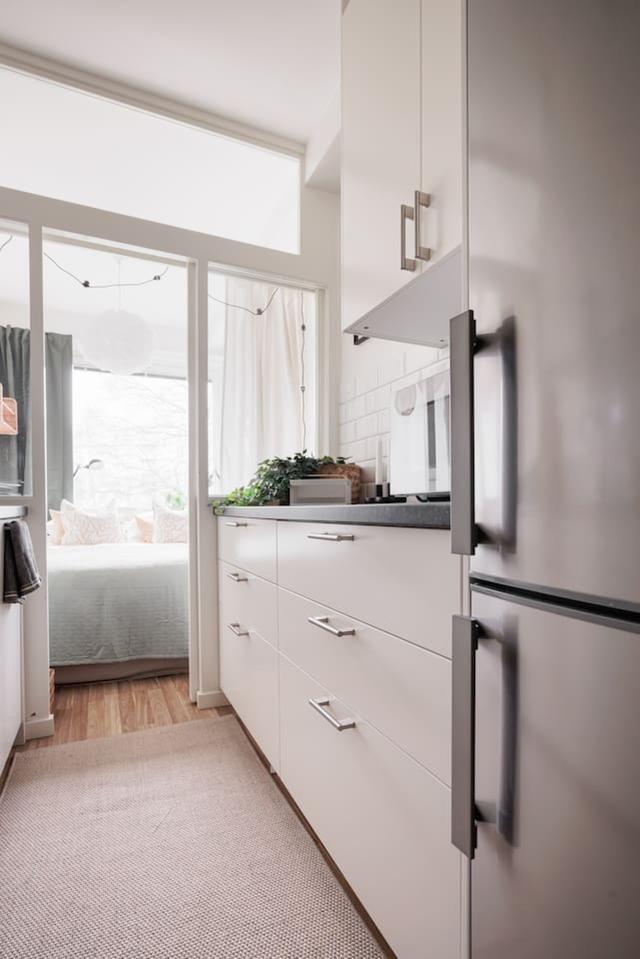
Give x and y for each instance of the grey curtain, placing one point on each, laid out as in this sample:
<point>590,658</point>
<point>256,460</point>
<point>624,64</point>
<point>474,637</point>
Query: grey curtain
<point>59,369</point>
<point>15,451</point>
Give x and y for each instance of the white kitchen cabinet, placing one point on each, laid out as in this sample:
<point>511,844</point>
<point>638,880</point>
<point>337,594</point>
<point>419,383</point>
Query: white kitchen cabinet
<point>402,147</point>
<point>401,689</point>
<point>404,581</point>
<point>441,222</point>
<point>381,136</point>
<point>249,672</point>
<point>250,544</point>
<point>380,601</point>
<point>249,600</point>
<point>384,819</point>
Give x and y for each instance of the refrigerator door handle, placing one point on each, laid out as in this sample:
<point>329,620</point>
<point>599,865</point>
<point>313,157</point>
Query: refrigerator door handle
<point>462,345</point>
<point>466,632</point>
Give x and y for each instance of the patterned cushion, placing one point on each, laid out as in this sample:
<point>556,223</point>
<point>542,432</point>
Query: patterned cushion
<point>169,526</point>
<point>89,529</point>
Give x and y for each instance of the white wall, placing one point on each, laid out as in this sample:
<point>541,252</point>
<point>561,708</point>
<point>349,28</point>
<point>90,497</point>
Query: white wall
<point>368,372</point>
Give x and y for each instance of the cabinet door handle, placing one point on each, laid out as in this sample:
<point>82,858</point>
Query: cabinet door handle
<point>339,724</point>
<point>238,578</point>
<point>332,537</point>
<point>420,200</point>
<point>236,524</point>
<point>466,632</point>
<point>406,263</point>
<point>322,622</point>
<point>462,348</point>
<point>237,629</point>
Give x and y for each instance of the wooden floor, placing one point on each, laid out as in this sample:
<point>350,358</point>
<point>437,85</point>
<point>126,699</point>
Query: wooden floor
<point>109,709</point>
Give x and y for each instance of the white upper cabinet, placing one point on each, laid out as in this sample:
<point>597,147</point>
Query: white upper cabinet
<point>402,162</point>
<point>380,147</point>
<point>442,125</point>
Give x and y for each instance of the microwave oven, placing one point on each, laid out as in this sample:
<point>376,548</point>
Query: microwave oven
<point>419,453</point>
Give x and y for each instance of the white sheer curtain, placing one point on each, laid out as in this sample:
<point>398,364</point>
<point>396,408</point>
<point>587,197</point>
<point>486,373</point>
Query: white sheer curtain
<point>256,371</point>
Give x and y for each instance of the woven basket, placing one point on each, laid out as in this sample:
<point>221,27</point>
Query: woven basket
<point>349,471</point>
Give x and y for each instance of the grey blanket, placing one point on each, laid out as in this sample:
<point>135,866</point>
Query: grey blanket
<point>21,575</point>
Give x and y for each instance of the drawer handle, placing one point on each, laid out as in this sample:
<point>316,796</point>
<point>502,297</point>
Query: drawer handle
<point>238,577</point>
<point>236,524</point>
<point>237,629</point>
<point>322,622</point>
<point>339,724</point>
<point>332,537</point>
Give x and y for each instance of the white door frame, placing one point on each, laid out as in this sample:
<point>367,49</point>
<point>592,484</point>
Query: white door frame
<point>315,265</point>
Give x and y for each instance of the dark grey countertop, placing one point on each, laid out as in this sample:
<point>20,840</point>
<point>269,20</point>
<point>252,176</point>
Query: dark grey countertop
<point>421,515</point>
<point>12,512</point>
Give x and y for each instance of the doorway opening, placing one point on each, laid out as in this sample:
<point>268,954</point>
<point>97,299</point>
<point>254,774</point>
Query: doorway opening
<point>117,437</point>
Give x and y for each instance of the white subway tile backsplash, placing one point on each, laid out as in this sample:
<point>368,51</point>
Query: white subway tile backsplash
<point>357,408</point>
<point>372,447</point>
<point>348,432</point>
<point>383,422</point>
<point>367,426</point>
<point>369,373</point>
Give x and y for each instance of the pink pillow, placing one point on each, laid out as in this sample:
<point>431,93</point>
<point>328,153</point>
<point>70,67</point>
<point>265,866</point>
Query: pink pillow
<point>89,529</point>
<point>145,529</point>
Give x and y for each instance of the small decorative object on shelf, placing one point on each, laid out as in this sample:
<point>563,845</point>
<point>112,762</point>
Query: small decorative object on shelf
<point>270,485</point>
<point>8,415</point>
<point>319,490</point>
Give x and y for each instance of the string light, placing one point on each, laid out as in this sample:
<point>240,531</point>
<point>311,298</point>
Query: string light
<point>260,311</point>
<point>105,286</point>
<point>235,306</point>
<point>95,286</point>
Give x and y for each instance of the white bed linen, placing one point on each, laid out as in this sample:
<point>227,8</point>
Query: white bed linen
<point>117,601</point>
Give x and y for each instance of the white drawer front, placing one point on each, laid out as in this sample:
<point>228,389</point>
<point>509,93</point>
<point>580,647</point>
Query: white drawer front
<point>403,690</point>
<point>249,680</point>
<point>384,819</point>
<point>248,543</point>
<point>248,600</point>
<point>404,581</point>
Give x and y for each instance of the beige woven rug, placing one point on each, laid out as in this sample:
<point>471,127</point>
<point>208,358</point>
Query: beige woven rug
<point>171,843</point>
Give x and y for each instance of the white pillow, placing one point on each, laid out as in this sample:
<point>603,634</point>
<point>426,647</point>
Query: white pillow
<point>169,525</point>
<point>55,527</point>
<point>88,529</point>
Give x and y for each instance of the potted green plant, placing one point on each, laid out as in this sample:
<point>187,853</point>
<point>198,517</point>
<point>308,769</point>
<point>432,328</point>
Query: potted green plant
<point>270,485</point>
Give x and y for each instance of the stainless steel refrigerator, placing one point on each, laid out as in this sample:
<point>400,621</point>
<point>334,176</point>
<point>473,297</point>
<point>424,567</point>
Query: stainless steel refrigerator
<point>546,482</point>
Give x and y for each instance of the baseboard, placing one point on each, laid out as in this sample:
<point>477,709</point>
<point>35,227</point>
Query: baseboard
<point>39,728</point>
<point>213,698</point>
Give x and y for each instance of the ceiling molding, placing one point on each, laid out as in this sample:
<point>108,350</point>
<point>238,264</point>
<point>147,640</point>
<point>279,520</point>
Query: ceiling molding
<point>25,62</point>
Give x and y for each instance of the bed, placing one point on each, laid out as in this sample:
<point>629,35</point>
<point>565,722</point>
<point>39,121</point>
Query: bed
<point>117,609</point>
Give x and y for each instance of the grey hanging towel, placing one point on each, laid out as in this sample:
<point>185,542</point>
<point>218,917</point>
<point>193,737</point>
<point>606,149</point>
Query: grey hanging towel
<point>21,575</point>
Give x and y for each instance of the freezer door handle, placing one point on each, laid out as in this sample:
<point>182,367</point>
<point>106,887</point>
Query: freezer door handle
<point>466,632</point>
<point>462,344</point>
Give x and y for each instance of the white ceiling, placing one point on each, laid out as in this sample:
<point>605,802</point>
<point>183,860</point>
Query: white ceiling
<point>272,64</point>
